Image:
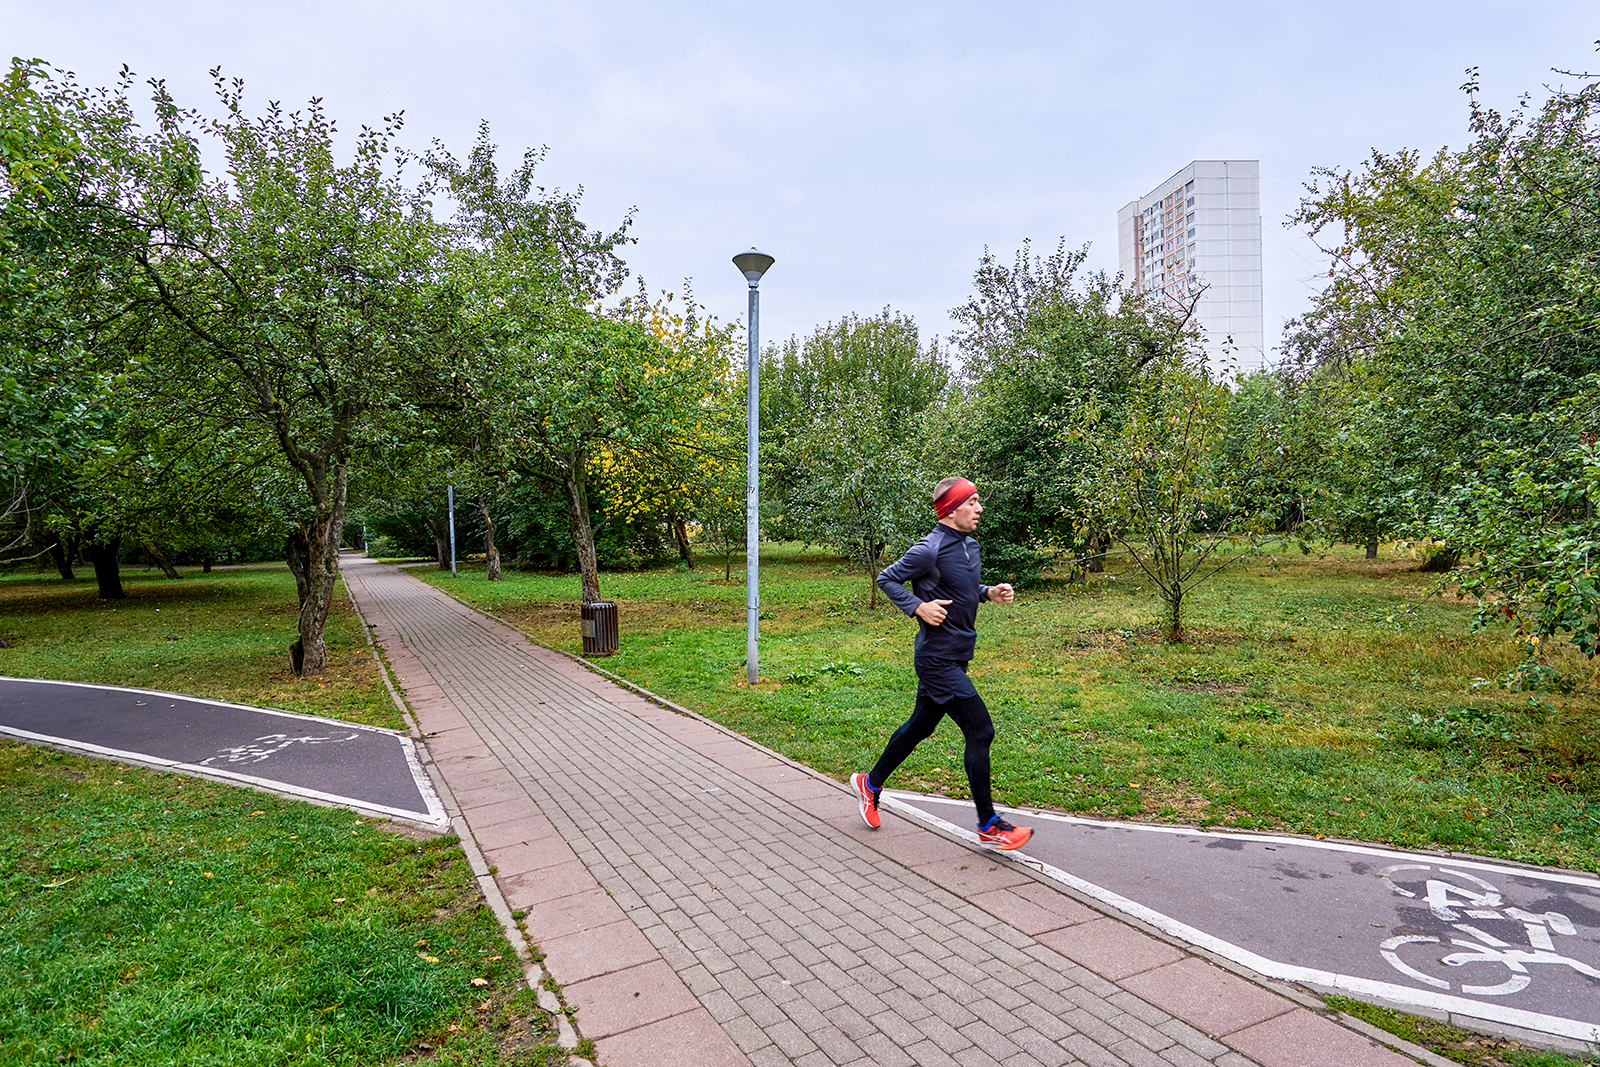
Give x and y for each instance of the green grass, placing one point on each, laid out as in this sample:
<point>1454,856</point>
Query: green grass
<point>1324,695</point>
<point>223,635</point>
<point>1452,1042</point>
<point>152,918</point>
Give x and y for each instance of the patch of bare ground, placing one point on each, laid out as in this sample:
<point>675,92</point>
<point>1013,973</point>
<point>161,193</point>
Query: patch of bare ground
<point>1170,803</point>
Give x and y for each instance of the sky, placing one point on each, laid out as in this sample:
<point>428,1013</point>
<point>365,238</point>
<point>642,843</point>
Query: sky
<point>875,149</point>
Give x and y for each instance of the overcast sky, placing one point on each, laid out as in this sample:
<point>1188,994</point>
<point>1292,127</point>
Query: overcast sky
<point>873,148</point>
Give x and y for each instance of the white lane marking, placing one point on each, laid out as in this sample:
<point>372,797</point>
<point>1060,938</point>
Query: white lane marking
<point>1330,980</point>
<point>434,817</point>
<point>204,700</point>
<point>1587,881</point>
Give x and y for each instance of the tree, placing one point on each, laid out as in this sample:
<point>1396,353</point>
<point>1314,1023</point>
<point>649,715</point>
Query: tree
<point>544,381</point>
<point>1460,320</point>
<point>1156,484</point>
<point>293,296</point>
<point>94,463</point>
<point>1040,343</point>
<point>679,474</point>
<point>878,361</point>
<point>862,489</point>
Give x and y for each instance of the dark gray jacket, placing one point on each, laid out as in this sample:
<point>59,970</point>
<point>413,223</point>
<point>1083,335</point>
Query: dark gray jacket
<point>945,565</point>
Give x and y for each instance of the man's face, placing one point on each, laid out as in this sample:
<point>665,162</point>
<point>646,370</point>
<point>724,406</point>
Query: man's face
<point>965,518</point>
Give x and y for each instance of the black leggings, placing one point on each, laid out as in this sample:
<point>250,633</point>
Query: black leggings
<point>969,713</point>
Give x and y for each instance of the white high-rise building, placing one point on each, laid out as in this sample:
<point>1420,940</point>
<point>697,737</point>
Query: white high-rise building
<point>1199,233</point>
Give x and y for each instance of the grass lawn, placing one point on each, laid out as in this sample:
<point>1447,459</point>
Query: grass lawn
<point>223,635</point>
<point>1325,695</point>
<point>152,918</point>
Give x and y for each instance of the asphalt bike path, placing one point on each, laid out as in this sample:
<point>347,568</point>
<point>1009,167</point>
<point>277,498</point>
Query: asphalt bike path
<point>365,768</point>
<point>706,901</point>
<point>1490,944</point>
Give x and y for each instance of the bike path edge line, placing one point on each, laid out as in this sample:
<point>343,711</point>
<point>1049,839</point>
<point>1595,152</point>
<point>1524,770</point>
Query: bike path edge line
<point>208,700</point>
<point>266,785</point>
<point>1329,981</point>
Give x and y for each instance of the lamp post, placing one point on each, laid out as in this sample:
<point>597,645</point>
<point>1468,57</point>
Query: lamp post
<point>450,496</point>
<point>753,265</point>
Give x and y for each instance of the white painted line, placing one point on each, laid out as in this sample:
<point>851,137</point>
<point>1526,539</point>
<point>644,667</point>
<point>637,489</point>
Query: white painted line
<point>214,703</point>
<point>435,815</point>
<point>1588,882</point>
<point>1530,1020</point>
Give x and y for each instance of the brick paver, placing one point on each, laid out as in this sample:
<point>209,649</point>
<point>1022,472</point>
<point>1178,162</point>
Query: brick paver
<point>691,889</point>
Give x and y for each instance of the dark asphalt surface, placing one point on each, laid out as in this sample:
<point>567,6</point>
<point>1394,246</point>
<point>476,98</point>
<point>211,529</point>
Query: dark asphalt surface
<point>362,767</point>
<point>1481,938</point>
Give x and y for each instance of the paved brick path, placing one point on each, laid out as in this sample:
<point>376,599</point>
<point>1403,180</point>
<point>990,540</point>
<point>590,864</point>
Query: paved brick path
<point>706,902</point>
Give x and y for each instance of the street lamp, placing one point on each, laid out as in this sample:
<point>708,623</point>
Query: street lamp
<point>753,265</point>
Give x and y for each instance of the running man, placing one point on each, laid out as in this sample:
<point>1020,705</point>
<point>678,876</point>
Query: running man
<point>943,569</point>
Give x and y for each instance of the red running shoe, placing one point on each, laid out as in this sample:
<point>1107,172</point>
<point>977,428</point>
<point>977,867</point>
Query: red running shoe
<point>1002,835</point>
<point>868,799</point>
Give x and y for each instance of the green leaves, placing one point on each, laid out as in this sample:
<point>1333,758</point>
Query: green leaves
<point>1454,363</point>
<point>1155,479</point>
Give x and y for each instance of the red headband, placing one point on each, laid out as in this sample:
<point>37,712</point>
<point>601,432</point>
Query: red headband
<point>954,497</point>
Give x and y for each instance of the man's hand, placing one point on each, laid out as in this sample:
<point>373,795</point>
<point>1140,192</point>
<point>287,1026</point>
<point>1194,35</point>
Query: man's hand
<point>1002,593</point>
<point>932,611</point>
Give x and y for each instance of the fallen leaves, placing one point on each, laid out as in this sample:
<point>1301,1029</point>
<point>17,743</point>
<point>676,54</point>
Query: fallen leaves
<point>480,982</point>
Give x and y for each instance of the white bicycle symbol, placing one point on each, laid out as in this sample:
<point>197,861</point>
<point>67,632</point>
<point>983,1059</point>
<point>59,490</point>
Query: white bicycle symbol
<point>269,746</point>
<point>1480,901</point>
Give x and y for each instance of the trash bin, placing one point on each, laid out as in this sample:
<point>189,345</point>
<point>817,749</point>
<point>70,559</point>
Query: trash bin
<point>599,626</point>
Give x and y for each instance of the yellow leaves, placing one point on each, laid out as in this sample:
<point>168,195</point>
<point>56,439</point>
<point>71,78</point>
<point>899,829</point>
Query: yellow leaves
<point>253,814</point>
<point>425,956</point>
<point>210,875</point>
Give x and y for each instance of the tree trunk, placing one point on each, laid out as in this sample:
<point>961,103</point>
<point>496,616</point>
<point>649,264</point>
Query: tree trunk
<point>1372,545</point>
<point>206,561</point>
<point>309,655</point>
<point>491,554</point>
<point>680,534</point>
<point>1096,561</point>
<point>439,526</point>
<point>1442,560</point>
<point>1175,615</point>
<point>107,572</point>
<point>61,556</point>
<point>160,559</point>
<point>572,481</point>
<point>297,555</point>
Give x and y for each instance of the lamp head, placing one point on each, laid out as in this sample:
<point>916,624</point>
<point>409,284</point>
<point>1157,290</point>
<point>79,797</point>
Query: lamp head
<point>753,265</point>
